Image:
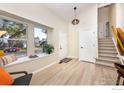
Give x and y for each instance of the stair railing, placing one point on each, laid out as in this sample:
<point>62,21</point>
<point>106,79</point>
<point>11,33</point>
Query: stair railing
<point>121,33</point>
<point>117,31</point>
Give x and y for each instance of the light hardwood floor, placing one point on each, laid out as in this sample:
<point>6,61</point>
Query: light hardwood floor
<point>75,73</point>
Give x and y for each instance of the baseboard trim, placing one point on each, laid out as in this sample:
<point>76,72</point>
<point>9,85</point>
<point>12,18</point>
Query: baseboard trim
<point>36,71</point>
<point>87,61</point>
<point>72,57</point>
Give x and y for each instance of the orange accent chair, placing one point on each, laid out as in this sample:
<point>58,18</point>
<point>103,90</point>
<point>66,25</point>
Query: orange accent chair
<point>7,79</point>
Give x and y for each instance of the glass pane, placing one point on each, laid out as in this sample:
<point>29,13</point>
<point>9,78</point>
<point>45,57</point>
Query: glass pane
<point>13,37</point>
<point>40,38</point>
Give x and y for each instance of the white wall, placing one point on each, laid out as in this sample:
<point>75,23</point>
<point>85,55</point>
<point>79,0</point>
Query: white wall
<point>112,14</point>
<point>73,41</point>
<point>120,15</point>
<point>103,4</point>
<point>116,15</point>
<point>40,14</point>
<point>87,19</point>
<point>112,17</point>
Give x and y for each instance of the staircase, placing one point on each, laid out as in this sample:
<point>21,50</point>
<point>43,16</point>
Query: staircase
<point>107,54</point>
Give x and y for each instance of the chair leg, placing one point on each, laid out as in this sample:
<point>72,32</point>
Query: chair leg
<point>118,80</point>
<point>123,82</point>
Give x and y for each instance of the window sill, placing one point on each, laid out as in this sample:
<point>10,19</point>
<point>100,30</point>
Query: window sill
<point>27,59</point>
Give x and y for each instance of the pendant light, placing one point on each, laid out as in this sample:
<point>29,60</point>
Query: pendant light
<point>75,21</point>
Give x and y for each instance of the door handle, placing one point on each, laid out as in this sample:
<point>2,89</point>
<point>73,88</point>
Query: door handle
<point>81,47</point>
<point>60,47</point>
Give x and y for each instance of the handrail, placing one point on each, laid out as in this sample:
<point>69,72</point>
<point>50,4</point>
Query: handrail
<point>121,33</point>
<point>114,29</point>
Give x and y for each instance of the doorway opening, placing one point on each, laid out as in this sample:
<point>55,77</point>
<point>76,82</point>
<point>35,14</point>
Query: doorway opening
<point>105,21</point>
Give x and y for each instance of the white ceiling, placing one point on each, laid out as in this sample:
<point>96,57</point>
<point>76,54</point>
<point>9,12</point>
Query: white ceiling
<point>65,10</point>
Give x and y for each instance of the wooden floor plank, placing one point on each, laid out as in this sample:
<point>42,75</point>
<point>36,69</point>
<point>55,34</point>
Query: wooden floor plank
<point>63,76</point>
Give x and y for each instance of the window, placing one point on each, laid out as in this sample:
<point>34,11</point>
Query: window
<point>40,38</point>
<point>13,37</point>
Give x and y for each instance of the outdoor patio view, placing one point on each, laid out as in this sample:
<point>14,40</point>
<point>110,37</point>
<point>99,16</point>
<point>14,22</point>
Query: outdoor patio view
<point>13,37</point>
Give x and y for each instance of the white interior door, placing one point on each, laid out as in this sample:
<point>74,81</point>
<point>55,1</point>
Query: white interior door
<point>62,45</point>
<point>87,45</point>
<point>102,29</point>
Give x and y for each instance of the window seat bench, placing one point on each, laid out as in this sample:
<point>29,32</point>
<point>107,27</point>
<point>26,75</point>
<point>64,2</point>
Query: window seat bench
<point>27,59</point>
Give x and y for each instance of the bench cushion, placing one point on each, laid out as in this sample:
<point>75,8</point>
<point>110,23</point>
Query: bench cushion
<point>7,59</point>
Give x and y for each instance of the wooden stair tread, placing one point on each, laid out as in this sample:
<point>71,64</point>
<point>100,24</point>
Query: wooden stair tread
<point>107,51</point>
<point>108,60</point>
<point>107,55</point>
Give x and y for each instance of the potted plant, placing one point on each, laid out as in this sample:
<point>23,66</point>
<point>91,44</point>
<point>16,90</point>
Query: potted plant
<point>48,48</point>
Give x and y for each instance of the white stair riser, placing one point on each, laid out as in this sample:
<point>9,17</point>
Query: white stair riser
<point>107,40</point>
<point>113,59</point>
<point>104,45</point>
<point>107,61</point>
<point>108,55</point>
<point>107,48</point>
<point>109,52</point>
